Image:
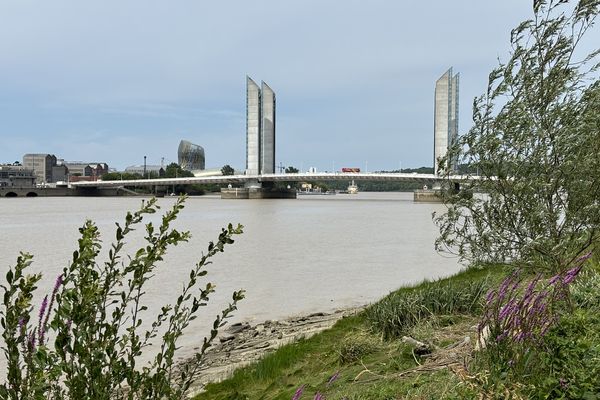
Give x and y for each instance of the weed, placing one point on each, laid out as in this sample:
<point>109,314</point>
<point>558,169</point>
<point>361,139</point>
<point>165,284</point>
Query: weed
<point>354,348</point>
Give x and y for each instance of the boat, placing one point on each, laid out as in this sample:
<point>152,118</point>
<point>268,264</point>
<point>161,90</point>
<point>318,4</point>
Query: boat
<point>352,188</point>
<point>308,189</point>
<point>314,192</point>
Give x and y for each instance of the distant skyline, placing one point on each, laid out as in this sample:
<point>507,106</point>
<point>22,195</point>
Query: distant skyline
<point>114,81</point>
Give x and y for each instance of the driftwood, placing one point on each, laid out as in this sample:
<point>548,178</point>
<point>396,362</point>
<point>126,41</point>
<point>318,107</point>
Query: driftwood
<point>419,348</point>
<point>451,357</point>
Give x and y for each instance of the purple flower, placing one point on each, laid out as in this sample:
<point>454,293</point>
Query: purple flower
<point>490,296</point>
<point>333,378</point>
<point>43,309</point>
<point>571,275</point>
<point>59,281</point>
<point>554,279</point>
<point>563,383</point>
<point>319,396</point>
<point>506,310</point>
<point>298,393</point>
<point>584,257</point>
<point>520,336</point>
<point>40,328</point>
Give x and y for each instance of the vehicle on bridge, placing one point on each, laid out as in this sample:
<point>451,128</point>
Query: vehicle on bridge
<point>353,170</point>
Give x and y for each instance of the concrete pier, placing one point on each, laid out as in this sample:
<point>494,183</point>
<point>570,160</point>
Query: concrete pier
<point>427,196</point>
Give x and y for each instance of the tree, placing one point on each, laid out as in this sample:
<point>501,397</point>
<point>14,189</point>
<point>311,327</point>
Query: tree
<point>123,176</point>
<point>291,170</point>
<point>86,338</point>
<point>536,145</point>
<point>174,170</point>
<point>227,170</point>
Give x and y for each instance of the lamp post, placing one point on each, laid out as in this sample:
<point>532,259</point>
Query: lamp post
<point>145,177</point>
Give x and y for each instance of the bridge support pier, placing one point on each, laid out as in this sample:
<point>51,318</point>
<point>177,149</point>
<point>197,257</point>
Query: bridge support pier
<point>427,196</point>
<point>258,190</point>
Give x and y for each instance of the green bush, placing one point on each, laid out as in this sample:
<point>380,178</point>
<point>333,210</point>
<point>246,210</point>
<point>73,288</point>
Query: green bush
<point>585,292</point>
<point>570,366</point>
<point>86,340</point>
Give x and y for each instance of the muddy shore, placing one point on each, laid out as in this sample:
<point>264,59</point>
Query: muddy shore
<point>241,344</point>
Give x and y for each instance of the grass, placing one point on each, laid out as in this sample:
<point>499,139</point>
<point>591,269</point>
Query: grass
<point>372,363</point>
<point>398,312</point>
<point>368,361</point>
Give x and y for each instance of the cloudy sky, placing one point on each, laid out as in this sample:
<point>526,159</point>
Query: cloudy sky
<point>113,81</point>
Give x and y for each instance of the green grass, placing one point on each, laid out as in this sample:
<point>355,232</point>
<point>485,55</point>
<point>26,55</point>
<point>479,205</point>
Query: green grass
<point>372,362</point>
<point>398,312</point>
<point>368,362</point>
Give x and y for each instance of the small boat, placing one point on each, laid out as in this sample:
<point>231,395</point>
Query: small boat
<point>352,188</point>
<point>315,192</point>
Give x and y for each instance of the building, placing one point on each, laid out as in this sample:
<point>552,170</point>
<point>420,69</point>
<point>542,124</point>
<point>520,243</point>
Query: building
<point>267,130</point>
<point>16,175</point>
<point>260,128</point>
<point>445,117</point>
<point>157,170</point>
<point>190,156</point>
<point>252,127</point>
<point>60,173</point>
<point>41,164</point>
<point>92,169</point>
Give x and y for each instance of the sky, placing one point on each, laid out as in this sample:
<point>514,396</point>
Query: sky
<point>114,81</point>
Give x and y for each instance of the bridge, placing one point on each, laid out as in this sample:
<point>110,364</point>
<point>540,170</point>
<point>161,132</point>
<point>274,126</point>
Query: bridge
<point>258,179</point>
<point>260,159</point>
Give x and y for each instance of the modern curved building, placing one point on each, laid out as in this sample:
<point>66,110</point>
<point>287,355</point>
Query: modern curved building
<point>190,156</point>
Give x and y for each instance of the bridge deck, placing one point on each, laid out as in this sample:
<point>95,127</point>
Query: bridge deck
<point>240,179</point>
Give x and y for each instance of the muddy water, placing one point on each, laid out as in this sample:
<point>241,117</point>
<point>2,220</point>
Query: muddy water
<point>316,253</point>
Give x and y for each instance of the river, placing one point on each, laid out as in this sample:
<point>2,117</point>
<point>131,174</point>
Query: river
<point>315,253</point>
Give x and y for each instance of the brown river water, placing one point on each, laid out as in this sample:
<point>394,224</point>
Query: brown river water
<point>312,254</point>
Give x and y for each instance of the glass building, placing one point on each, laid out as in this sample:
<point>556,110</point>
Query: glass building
<point>190,156</point>
<point>445,117</point>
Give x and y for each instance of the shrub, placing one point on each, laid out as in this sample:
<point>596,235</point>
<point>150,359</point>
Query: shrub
<point>569,367</point>
<point>585,292</point>
<point>534,146</point>
<point>86,340</point>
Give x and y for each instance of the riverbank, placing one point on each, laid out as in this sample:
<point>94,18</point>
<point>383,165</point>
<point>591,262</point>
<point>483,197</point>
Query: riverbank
<point>242,344</point>
<point>363,362</point>
<point>422,342</point>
